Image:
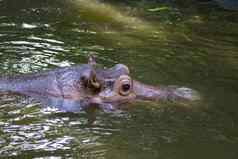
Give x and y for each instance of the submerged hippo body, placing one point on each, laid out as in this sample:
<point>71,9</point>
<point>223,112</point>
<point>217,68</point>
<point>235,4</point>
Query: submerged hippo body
<point>76,87</point>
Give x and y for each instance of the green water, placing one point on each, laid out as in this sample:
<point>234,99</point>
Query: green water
<point>170,43</point>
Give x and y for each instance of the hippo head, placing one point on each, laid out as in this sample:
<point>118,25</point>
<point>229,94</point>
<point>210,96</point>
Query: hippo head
<point>118,87</point>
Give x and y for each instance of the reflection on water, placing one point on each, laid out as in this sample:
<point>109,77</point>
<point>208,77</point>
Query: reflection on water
<point>28,130</point>
<point>106,13</point>
<point>116,25</point>
<point>162,42</point>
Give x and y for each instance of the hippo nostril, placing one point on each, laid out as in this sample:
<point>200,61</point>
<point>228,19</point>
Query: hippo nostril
<point>187,93</point>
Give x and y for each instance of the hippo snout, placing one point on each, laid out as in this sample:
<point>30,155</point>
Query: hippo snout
<point>187,94</point>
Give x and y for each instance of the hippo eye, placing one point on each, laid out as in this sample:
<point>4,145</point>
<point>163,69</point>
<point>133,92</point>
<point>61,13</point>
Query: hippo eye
<point>125,87</point>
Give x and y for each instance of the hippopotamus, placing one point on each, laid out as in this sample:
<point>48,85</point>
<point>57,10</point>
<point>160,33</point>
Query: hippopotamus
<point>81,86</point>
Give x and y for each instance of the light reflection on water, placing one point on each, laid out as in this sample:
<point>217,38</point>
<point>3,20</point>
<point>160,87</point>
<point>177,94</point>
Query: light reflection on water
<point>176,45</point>
<point>28,128</point>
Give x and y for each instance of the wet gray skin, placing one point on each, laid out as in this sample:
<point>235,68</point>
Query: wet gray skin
<point>73,88</point>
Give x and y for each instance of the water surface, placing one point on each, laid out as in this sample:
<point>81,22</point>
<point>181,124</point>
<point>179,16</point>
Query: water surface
<point>190,44</point>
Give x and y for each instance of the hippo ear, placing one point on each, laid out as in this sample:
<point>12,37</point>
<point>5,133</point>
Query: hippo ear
<point>92,60</point>
<point>94,82</point>
<point>89,80</point>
